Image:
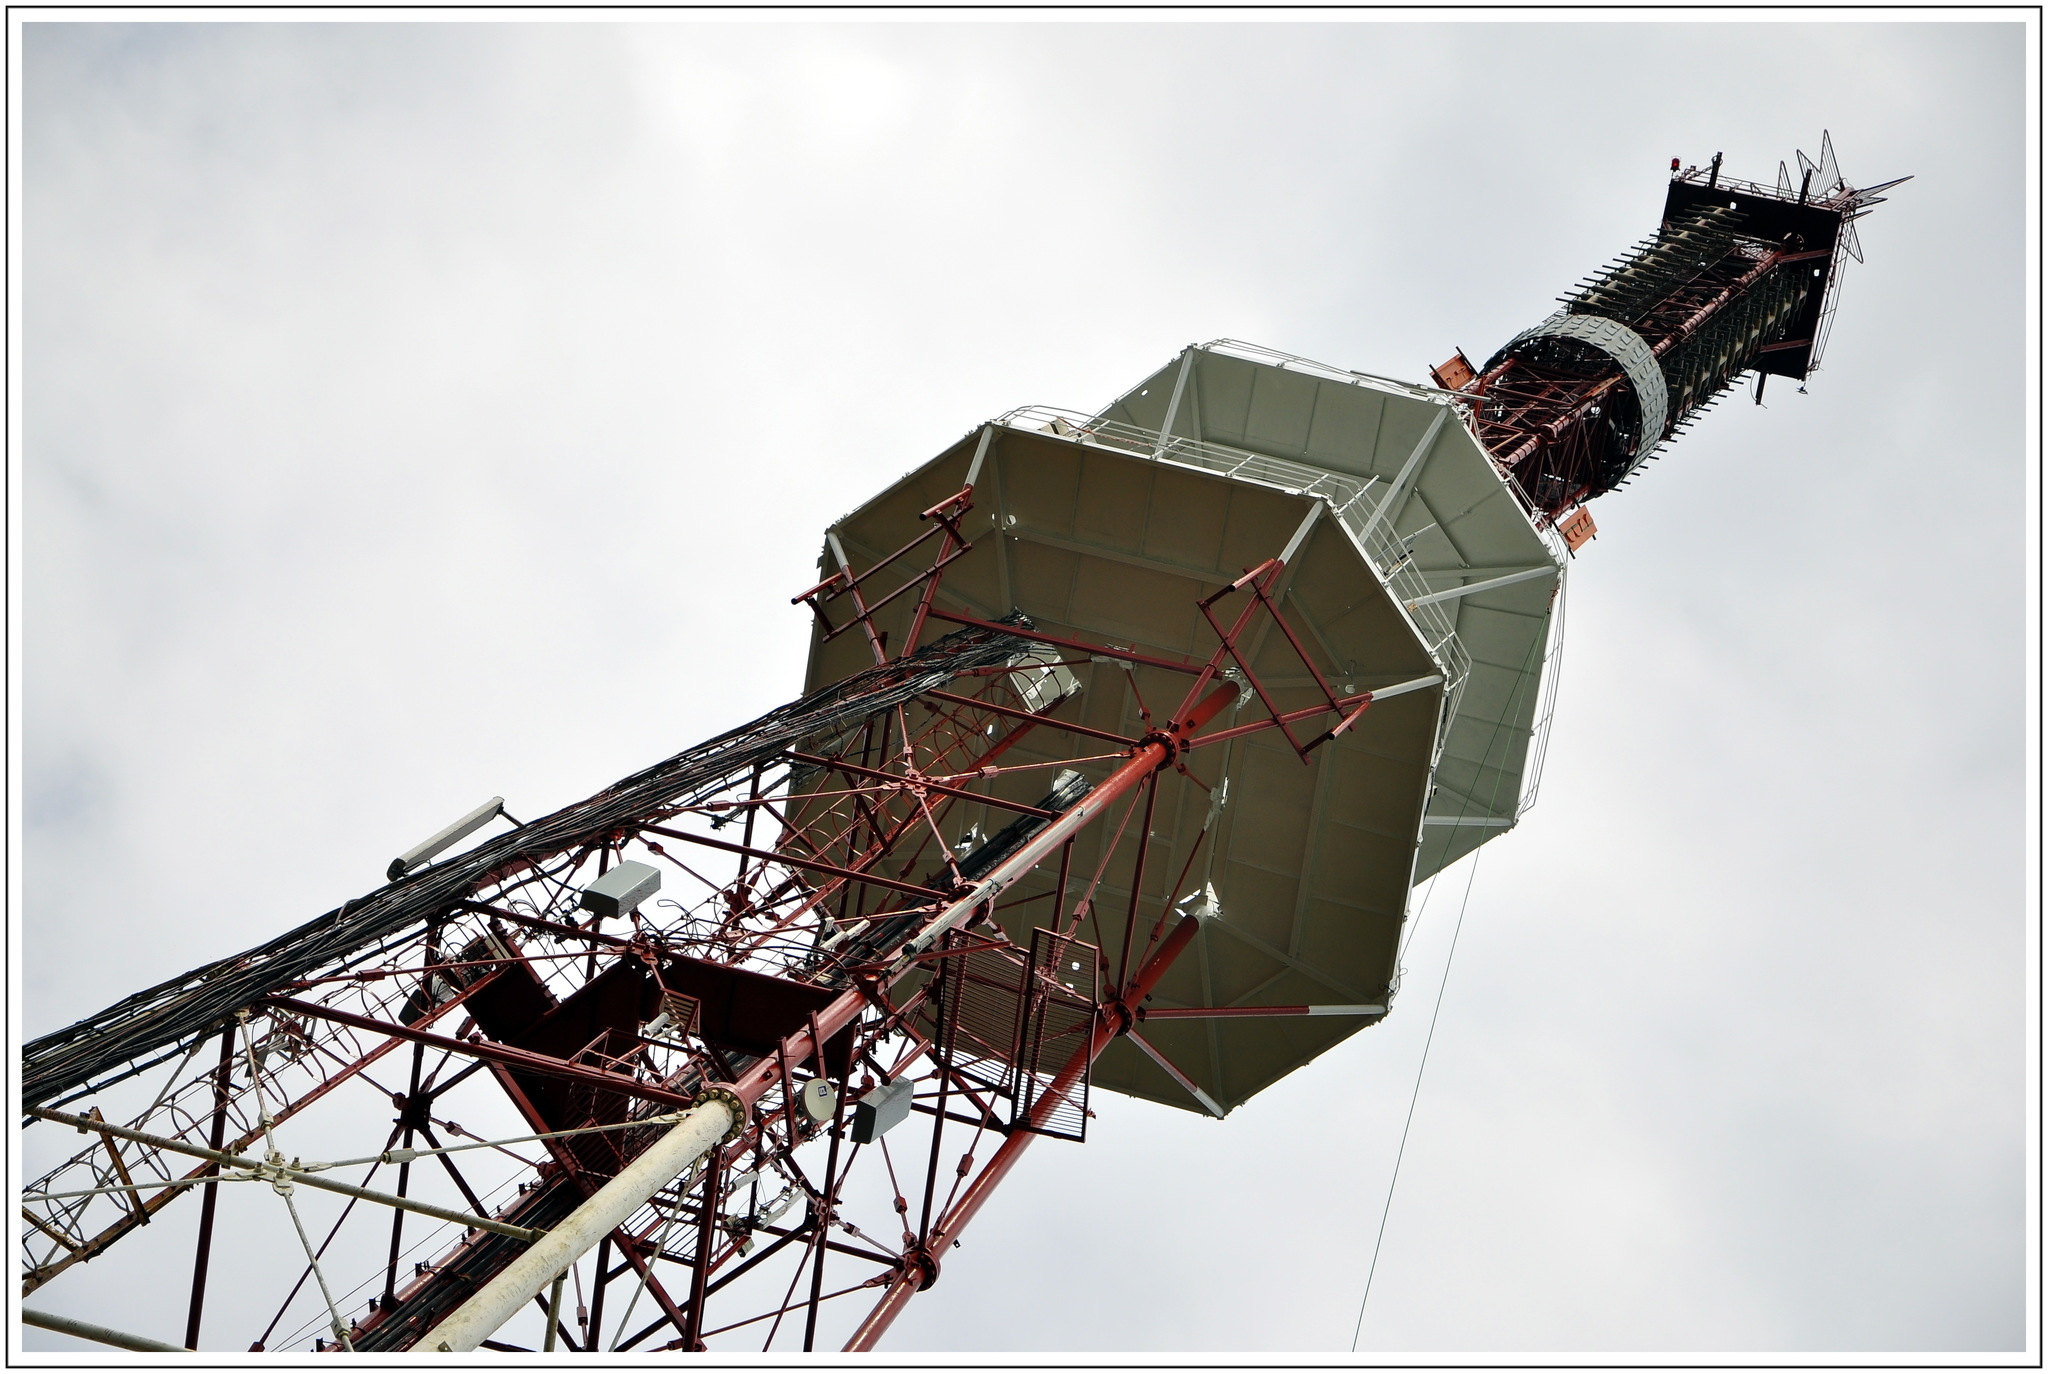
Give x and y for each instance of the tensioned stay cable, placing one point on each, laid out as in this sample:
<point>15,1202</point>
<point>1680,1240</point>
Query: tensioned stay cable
<point>1415,1093</point>
<point>172,1013</point>
<point>1388,1208</point>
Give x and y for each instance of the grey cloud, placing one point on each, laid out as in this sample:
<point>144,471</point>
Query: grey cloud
<point>380,380</point>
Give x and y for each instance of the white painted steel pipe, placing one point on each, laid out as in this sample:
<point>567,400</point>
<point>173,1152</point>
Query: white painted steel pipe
<point>1453,593</point>
<point>1403,688</point>
<point>469,1325</point>
<point>93,1331</point>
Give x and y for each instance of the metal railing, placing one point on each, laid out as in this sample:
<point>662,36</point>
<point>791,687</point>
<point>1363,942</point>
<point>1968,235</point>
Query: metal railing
<point>1551,669</point>
<point>1348,499</point>
<point>1294,362</point>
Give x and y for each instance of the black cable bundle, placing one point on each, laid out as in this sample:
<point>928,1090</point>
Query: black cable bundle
<point>175,1012</point>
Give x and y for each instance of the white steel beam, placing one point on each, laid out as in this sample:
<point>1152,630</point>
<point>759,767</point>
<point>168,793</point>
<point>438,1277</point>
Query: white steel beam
<point>1414,684</point>
<point>519,1283</point>
<point>1187,360</point>
<point>1452,593</point>
<point>92,1331</point>
<point>1389,504</point>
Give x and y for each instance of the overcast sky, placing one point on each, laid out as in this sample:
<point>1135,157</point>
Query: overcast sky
<point>417,413</point>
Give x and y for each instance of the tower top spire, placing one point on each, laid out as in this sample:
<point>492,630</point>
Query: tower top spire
<point>1739,277</point>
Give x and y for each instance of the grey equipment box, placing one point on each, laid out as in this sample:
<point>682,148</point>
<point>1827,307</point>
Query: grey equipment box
<point>883,1109</point>
<point>622,889</point>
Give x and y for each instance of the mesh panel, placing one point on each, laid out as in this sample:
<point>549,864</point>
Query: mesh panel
<point>982,1009</point>
<point>1011,1025</point>
<point>173,1012</point>
<point>1058,1018</point>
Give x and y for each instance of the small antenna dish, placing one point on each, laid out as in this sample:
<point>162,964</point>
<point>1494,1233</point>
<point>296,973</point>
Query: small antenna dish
<point>819,1099</point>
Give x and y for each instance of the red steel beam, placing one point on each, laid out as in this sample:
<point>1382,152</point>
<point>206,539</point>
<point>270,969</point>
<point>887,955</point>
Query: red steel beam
<point>1090,649</point>
<point>551,927</point>
<point>216,1134</point>
<point>854,770</point>
<point>1156,753</point>
<point>1360,702</point>
<point>910,1280</point>
<point>524,1060</point>
<point>173,1188</point>
<point>1036,718</point>
<point>1146,759</point>
<point>813,865</point>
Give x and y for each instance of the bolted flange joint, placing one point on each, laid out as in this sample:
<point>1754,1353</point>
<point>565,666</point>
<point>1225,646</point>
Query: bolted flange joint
<point>719,1093</point>
<point>1170,740</point>
<point>920,1262</point>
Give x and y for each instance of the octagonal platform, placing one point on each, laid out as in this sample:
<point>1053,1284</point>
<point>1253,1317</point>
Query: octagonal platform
<point>1109,528</point>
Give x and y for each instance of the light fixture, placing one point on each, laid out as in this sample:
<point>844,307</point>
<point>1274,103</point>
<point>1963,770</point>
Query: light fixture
<point>441,839</point>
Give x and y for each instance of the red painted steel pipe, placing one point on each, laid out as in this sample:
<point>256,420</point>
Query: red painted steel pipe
<point>1035,717</point>
<point>1079,646</point>
<point>699,1129</point>
<point>512,1057</point>
<point>1154,754</point>
<point>906,1285</point>
<point>1728,293</point>
<point>854,770</point>
<point>788,861</point>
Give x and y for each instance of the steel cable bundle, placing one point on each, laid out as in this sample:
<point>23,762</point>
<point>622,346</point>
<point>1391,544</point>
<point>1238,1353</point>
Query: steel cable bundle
<point>173,1013</point>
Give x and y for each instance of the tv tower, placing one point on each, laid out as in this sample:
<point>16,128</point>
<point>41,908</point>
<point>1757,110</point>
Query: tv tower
<point>1125,737</point>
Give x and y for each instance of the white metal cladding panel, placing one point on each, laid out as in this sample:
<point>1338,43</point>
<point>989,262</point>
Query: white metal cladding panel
<point>1335,425</point>
<point>1281,408</point>
<point>1346,423</point>
<point>1344,495</point>
<point>1626,347</point>
<point>1456,522</point>
<point>1114,536</point>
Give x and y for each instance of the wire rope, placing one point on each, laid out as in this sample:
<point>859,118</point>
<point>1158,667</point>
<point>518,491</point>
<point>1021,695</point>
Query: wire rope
<point>647,1272</point>
<point>283,1186</point>
<point>195,1003</point>
<point>1415,1093</point>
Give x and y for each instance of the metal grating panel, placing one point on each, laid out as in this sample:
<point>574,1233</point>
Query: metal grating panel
<point>975,1016</point>
<point>1059,1017</point>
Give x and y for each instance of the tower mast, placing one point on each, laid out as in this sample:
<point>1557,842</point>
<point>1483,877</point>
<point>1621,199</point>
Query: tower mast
<point>1125,738</point>
<point>1739,277</point>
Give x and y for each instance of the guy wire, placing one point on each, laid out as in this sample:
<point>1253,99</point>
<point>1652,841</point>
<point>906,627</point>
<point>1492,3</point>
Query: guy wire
<point>1415,1093</point>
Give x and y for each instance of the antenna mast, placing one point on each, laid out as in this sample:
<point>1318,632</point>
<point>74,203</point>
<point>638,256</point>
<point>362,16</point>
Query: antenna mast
<point>1125,738</point>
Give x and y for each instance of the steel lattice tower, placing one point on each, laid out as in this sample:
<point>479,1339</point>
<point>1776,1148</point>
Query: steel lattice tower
<point>1125,738</point>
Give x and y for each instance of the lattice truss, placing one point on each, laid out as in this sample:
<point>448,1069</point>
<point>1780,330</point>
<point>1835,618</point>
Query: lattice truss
<point>1700,293</point>
<point>390,1103</point>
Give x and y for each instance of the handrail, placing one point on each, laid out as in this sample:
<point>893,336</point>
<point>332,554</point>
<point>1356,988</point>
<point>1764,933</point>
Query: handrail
<point>1344,494</point>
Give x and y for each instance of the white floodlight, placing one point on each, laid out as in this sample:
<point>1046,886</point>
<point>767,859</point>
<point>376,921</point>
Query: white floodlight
<point>441,839</point>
